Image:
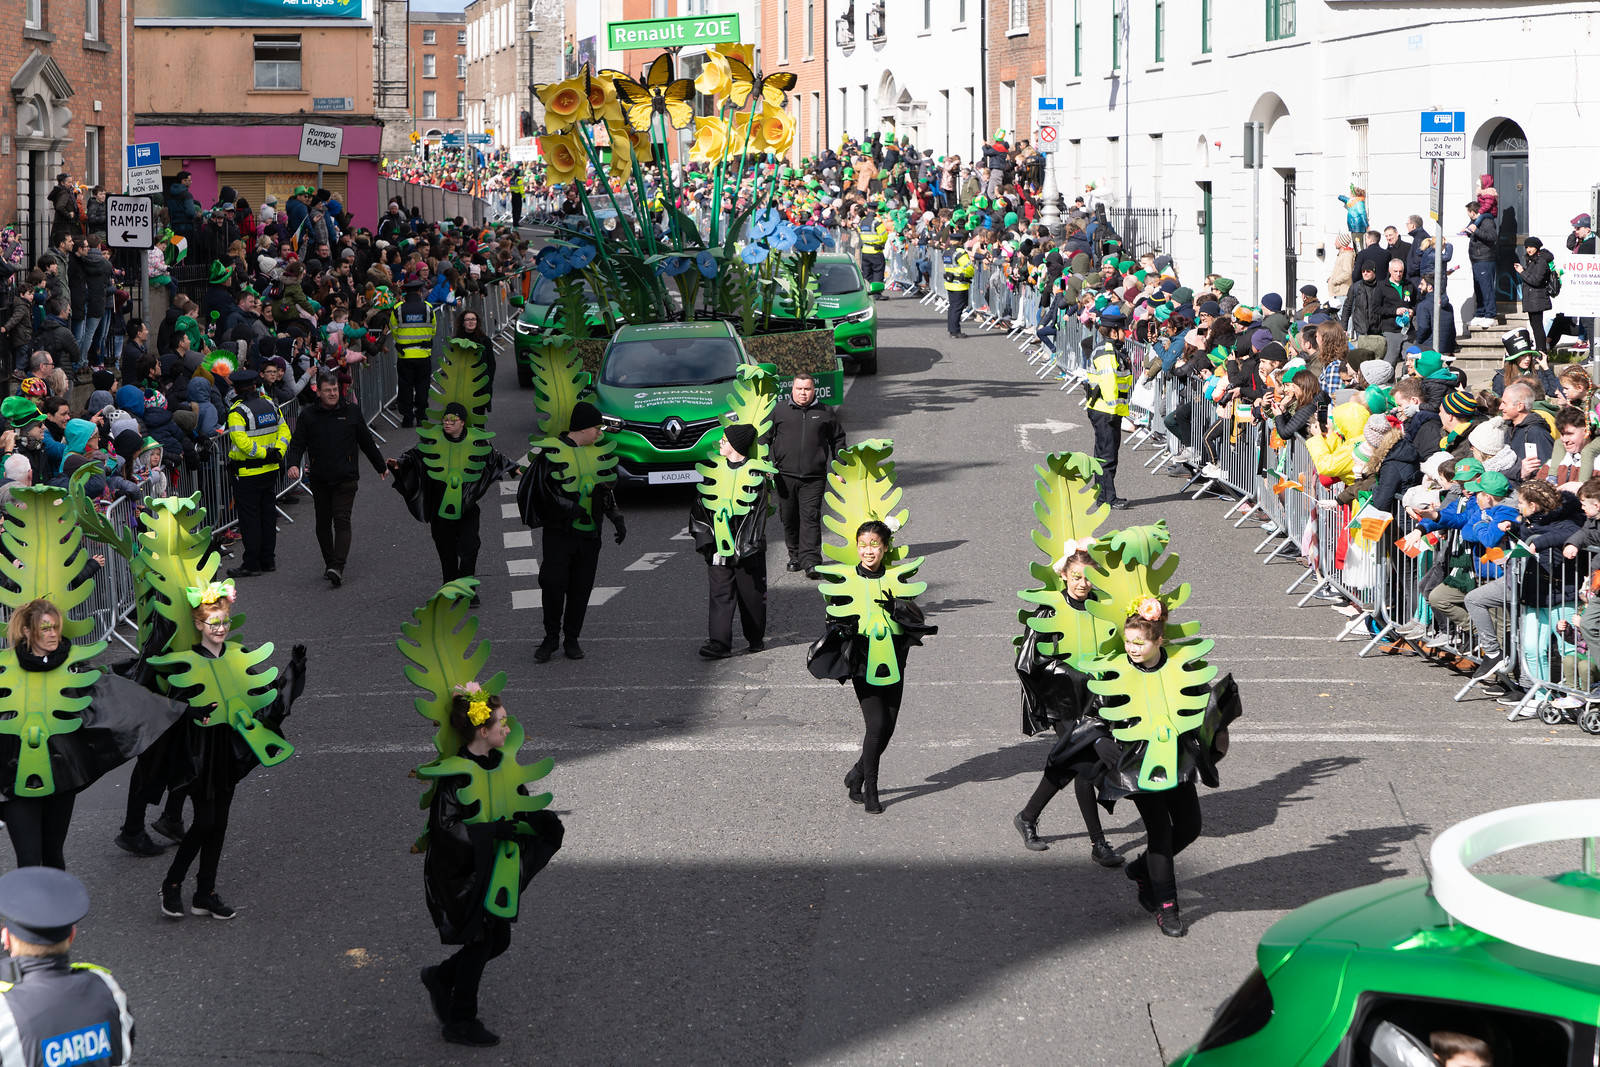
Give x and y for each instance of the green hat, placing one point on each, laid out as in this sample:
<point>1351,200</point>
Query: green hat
<point>1112,242</point>
<point>1430,364</point>
<point>1379,399</point>
<point>1218,355</point>
<point>1125,265</point>
<point>958,214</point>
<point>19,411</point>
<point>1109,261</point>
<point>1468,469</point>
<point>220,272</point>
<point>849,172</point>
<point>888,138</point>
<point>1223,286</point>
<point>1141,275</point>
<point>1492,482</point>
<point>980,201</point>
<point>148,443</point>
<point>1163,312</point>
<point>1011,218</point>
<point>1101,301</point>
<point>1183,294</point>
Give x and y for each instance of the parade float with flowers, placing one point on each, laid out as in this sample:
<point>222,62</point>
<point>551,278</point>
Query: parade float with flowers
<point>634,256</point>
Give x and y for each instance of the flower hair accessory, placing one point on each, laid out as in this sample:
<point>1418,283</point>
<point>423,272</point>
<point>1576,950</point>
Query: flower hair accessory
<point>478,711</point>
<point>213,593</point>
<point>1146,607</point>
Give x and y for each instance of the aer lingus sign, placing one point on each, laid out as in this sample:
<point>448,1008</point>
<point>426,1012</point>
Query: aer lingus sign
<point>672,33</point>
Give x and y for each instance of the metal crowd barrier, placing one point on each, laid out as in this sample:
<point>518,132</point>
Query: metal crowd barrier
<point>114,597</point>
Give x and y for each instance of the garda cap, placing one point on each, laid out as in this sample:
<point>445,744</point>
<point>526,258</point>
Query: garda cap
<point>40,905</point>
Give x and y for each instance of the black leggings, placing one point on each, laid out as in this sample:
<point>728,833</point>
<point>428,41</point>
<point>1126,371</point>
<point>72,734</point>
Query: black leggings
<point>1171,823</point>
<point>880,709</point>
<point>462,972</point>
<point>1054,781</point>
<point>204,839</point>
<point>38,828</point>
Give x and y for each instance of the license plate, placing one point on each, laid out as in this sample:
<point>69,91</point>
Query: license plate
<point>673,477</point>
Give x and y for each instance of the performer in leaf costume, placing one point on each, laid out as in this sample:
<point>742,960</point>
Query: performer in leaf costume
<point>872,617</point>
<point>488,835</point>
<point>566,491</point>
<point>236,712</point>
<point>1162,723</point>
<point>1060,637</point>
<point>728,521</point>
<point>62,724</point>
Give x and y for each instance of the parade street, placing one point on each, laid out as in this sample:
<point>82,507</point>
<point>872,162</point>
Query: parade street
<point>718,899</point>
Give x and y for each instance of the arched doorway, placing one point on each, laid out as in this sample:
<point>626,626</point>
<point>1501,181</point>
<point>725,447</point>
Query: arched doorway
<point>41,91</point>
<point>1506,163</point>
<point>1279,200</point>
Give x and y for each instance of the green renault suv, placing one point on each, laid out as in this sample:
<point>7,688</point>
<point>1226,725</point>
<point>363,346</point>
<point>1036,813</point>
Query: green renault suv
<point>662,389</point>
<point>843,300</point>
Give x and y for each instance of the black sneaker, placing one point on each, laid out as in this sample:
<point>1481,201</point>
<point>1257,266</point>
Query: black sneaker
<point>438,993</point>
<point>572,650</point>
<point>543,653</point>
<point>335,576</point>
<point>172,901</point>
<point>140,844</point>
<point>212,905</point>
<point>471,1032</point>
<point>756,646</point>
<point>1170,920</point>
<point>794,565</point>
<point>1147,894</point>
<point>1030,833</point>
<point>169,828</point>
<point>715,650</point>
<point>1103,854</point>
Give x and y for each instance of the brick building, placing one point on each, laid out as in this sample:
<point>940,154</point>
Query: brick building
<point>68,82</point>
<point>438,54</point>
<point>793,39</point>
<point>1016,66</point>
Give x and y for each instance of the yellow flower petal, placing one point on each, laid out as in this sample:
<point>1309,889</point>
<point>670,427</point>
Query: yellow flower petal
<point>562,100</point>
<point>775,127</point>
<point>710,140</point>
<point>716,76</point>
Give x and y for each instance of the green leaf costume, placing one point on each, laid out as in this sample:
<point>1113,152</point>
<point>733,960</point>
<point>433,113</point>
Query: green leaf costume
<point>43,539</point>
<point>1125,571</point>
<point>462,378</point>
<point>38,705</point>
<point>730,492</point>
<point>861,488</point>
<point>236,684</point>
<point>453,464</point>
<point>172,554</point>
<point>439,644</point>
<point>755,393</point>
<point>559,382</point>
<point>1156,706</point>
<point>1068,515</point>
<point>579,470</point>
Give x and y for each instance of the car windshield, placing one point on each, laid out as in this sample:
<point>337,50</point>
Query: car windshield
<point>671,361</point>
<point>544,292</point>
<point>834,279</point>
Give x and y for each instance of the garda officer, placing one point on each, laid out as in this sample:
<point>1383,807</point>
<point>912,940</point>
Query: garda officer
<point>958,270</point>
<point>1109,382</point>
<point>414,325</point>
<point>56,1012</point>
<point>517,189</point>
<point>873,236</point>
<point>258,437</point>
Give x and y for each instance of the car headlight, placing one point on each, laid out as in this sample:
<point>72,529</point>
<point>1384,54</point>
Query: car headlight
<point>525,328</point>
<point>861,316</point>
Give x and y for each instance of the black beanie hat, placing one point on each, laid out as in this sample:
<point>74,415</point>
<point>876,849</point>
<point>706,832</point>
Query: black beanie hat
<point>584,415</point>
<point>742,436</point>
<point>103,379</point>
<point>457,409</point>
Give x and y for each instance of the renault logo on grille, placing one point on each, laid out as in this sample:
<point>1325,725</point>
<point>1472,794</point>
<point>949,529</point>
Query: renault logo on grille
<point>673,428</point>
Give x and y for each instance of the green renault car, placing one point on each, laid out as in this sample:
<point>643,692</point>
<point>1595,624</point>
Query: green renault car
<point>843,299</point>
<point>662,390</point>
<point>1365,977</point>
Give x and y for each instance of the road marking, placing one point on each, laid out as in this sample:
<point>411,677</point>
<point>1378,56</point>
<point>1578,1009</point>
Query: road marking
<point>1052,426</point>
<point>682,535</point>
<point>526,598</point>
<point>517,538</point>
<point>508,488</point>
<point>600,594</point>
<point>510,511</point>
<point>522,568</point>
<point>649,561</point>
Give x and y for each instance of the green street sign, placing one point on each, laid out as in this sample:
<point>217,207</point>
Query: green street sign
<point>672,33</point>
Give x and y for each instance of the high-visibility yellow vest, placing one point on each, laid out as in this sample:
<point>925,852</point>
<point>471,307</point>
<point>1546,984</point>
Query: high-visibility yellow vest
<point>255,428</point>
<point>1113,377</point>
<point>414,327</point>
<point>958,272</point>
<point>872,239</point>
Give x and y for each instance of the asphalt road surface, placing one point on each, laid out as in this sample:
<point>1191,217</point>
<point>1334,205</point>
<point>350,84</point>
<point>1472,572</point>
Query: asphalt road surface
<point>719,900</point>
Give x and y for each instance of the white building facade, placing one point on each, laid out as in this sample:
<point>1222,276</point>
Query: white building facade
<point>911,67</point>
<point>1155,115</point>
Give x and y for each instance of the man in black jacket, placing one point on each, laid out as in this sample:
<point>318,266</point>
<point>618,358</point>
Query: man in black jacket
<point>1374,253</point>
<point>806,436</point>
<point>1416,234</point>
<point>331,433</point>
<point>1392,310</point>
<point>1481,254</point>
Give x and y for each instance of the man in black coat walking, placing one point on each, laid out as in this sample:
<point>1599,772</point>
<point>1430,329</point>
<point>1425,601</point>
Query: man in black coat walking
<point>806,436</point>
<point>332,433</point>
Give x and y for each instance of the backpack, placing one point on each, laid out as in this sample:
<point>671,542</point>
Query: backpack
<point>1553,287</point>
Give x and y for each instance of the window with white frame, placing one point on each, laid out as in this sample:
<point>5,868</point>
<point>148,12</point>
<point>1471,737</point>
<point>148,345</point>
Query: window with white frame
<point>33,13</point>
<point>91,20</point>
<point>461,37</point>
<point>1019,15</point>
<point>658,9</point>
<point>816,124</point>
<point>461,105</point>
<point>783,31</point>
<point>93,138</point>
<point>961,12</point>
<point>808,32</point>
<point>430,104</point>
<point>1008,107</point>
<point>430,66</point>
<point>461,66</point>
<point>277,61</point>
<point>430,37</point>
<point>1157,164</point>
<point>927,14</point>
<point>1358,153</point>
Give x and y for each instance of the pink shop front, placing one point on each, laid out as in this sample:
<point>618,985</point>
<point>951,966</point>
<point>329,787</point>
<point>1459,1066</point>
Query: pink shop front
<point>258,161</point>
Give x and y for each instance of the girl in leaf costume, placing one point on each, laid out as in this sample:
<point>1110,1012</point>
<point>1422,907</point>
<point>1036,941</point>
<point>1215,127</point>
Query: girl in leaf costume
<point>38,825</point>
<point>461,850</point>
<point>235,714</point>
<point>871,626</point>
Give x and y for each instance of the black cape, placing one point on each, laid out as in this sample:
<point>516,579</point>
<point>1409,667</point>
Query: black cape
<point>422,492</point>
<point>841,653</point>
<point>1052,689</point>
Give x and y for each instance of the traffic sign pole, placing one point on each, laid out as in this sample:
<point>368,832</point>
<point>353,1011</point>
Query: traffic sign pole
<point>1438,252</point>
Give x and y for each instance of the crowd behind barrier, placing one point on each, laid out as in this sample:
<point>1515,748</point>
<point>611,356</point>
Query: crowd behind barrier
<point>375,387</point>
